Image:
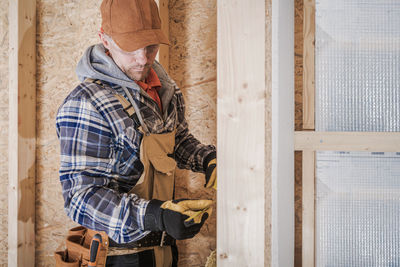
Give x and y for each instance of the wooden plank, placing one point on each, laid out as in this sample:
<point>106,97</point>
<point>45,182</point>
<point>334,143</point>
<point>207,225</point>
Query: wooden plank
<point>308,65</point>
<point>308,239</point>
<point>163,54</point>
<point>241,133</point>
<point>348,141</point>
<point>22,135</point>
<point>282,130</point>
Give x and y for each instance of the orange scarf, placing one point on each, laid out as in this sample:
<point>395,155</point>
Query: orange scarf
<point>151,85</point>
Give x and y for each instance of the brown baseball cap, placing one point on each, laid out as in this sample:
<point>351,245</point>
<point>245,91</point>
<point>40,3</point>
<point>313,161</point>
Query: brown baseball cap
<point>132,24</point>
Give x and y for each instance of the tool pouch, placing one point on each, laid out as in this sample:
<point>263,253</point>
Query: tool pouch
<point>77,253</point>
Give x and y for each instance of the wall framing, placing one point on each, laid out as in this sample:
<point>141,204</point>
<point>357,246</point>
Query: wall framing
<point>240,70</point>
<point>282,179</point>
<point>309,141</point>
<point>282,127</point>
<point>22,133</point>
<point>239,242</point>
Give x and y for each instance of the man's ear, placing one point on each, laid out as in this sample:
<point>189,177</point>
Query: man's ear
<point>104,40</point>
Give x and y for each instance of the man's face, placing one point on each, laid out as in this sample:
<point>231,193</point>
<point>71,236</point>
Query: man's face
<point>135,64</point>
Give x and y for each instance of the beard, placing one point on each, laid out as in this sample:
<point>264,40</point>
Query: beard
<point>138,75</point>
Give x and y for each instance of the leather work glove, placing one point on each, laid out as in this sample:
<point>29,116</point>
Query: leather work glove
<point>181,219</point>
<point>211,171</point>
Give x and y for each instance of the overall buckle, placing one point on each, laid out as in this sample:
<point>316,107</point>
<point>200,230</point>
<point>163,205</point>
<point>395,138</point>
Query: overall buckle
<point>162,238</point>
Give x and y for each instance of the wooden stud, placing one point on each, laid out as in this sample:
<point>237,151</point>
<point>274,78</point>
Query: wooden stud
<point>22,135</point>
<point>308,200</point>
<point>309,65</point>
<point>163,54</point>
<point>241,133</point>
<point>348,141</point>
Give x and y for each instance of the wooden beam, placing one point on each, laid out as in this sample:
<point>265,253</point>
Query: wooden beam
<point>163,54</point>
<point>282,131</point>
<point>309,65</point>
<point>308,239</point>
<point>348,141</point>
<point>241,133</point>
<point>22,135</point>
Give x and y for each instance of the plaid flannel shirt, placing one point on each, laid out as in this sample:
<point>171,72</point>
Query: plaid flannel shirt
<point>100,156</point>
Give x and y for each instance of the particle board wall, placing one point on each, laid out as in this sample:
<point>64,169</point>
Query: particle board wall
<point>64,30</point>
<point>298,49</point>
<point>3,130</point>
<point>193,52</point>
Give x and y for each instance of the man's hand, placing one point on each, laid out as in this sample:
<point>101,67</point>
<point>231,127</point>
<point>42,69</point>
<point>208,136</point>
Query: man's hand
<point>181,219</point>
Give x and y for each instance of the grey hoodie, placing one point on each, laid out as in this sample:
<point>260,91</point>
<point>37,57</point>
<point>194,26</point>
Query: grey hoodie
<point>96,64</point>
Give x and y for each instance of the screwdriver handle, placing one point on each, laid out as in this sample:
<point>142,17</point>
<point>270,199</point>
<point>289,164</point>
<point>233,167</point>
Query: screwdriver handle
<point>94,250</point>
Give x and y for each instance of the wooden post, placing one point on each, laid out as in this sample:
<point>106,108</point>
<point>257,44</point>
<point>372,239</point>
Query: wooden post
<point>163,54</point>
<point>282,128</point>
<point>308,208</point>
<point>22,135</point>
<point>241,133</point>
<point>309,65</point>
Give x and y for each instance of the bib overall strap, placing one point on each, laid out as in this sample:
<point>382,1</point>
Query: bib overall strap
<point>137,110</point>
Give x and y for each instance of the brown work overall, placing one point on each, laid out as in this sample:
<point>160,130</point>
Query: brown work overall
<point>158,177</point>
<point>156,182</point>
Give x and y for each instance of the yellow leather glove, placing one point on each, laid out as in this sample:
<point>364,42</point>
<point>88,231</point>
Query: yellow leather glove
<point>181,218</point>
<point>193,208</point>
<point>211,174</point>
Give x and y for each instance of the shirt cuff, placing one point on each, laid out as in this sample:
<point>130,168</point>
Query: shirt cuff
<point>208,158</point>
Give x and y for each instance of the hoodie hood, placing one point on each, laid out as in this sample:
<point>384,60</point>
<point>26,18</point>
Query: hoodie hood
<point>96,64</point>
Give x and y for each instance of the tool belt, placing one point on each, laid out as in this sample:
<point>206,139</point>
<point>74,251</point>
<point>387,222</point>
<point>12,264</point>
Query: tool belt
<point>77,253</point>
<point>153,239</point>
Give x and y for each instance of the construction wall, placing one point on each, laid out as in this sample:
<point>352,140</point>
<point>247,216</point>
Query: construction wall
<point>298,83</point>
<point>3,129</point>
<point>65,29</point>
<point>193,26</point>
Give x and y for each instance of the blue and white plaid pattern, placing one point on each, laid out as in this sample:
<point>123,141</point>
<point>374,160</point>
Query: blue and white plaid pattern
<point>100,156</point>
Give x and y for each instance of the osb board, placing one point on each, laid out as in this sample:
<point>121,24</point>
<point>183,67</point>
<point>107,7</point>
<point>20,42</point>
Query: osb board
<point>64,30</point>
<point>193,26</point>
<point>298,57</point>
<point>3,130</point>
<point>298,49</point>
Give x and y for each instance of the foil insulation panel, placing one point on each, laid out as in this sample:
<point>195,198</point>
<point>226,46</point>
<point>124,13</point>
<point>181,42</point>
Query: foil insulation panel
<point>357,65</point>
<point>357,79</point>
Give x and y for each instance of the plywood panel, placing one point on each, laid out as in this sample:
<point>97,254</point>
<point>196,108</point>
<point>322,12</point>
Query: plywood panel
<point>308,184</point>
<point>65,30</point>
<point>241,133</point>
<point>193,26</point>
<point>298,57</point>
<point>298,87</point>
<point>308,65</point>
<point>3,130</point>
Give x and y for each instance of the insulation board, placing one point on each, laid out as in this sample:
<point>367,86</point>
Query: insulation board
<point>357,76</point>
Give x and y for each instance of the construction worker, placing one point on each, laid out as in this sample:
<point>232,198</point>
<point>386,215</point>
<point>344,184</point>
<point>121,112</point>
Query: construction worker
<point>122,132</point>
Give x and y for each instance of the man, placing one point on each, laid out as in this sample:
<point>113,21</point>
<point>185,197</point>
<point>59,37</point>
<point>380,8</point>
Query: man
<point>122,132</point>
